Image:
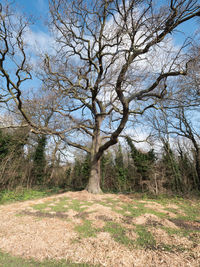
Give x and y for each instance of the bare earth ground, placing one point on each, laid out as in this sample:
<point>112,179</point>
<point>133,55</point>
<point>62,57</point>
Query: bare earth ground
<point>105,230</point>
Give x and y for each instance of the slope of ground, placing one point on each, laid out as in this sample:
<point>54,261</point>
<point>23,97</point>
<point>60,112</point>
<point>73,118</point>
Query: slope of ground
<point>103,230</point>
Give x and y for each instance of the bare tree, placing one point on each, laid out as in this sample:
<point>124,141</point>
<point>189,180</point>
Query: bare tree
<point>180,117</point>
<point>15,69</point>
<point>182,126</point>
<point>105,68</point>
<point>16,72</point>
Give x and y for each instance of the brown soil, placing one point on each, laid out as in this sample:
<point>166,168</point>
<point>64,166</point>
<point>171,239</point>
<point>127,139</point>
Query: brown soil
<point>28,233</point>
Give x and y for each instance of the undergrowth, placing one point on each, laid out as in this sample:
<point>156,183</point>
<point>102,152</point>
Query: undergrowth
<point>23,194</point>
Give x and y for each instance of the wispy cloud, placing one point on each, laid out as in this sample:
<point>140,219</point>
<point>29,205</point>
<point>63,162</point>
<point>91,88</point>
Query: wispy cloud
<point>39,41</point>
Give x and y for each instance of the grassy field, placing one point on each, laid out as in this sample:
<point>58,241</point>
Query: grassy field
<point>166,228</point>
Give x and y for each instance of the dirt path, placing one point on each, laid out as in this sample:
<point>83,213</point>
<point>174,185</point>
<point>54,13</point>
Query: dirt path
<point>110,230</point>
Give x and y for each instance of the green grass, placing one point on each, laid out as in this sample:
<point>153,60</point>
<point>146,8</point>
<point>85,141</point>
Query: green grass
<point>137,209</point>
<point>6,260</point>
<point>76,205</point>
<point>86,229</point>
<point>118,233</point>
<point>132,209</point>
<point>167,199</point>
<point>192,213</point>
<point>175,211</point>
<point>180,232</point>
<point>59,208</point>
<point>145,238</point>
<point>41,206</point>
<point>23,194</point>
<point>63,205</point>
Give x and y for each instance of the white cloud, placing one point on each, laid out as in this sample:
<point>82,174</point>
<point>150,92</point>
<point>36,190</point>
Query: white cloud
<point>39,42</point>
<point>140,137</point>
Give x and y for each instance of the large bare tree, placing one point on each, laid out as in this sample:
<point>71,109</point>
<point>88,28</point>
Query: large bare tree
<point>105,67</point>
<point>112,61</point>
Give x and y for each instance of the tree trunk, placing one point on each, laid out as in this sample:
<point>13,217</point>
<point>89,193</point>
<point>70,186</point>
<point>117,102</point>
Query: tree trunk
<point>198,167</point>
<point>95,173</point>
<point>95,178</point>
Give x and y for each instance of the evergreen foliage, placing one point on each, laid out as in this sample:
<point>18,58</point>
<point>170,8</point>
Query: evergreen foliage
<point>5,144</point>
<point>12,158</point>
<point>172,168</point>
<point>39,161</point>
<point>121,170</point>
<point>11,142</point>
<point>188,172</point>
<point>108,173</point>
<point>143,161</point>
<point>80,174</point>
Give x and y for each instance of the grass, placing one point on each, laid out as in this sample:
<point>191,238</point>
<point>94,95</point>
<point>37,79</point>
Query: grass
<point>180,232</point>
<point>62,205</point>
<point>23,194</point>
<point>86,229</point>
<point>171,248</point>
<point>136,209</point>
<point>6,260</point>
<point>187,211</point>
<point>192,213</point>
<point>145,238</point>
<point>41,206</point>
<point>118,233</point>
<point>76,205</point>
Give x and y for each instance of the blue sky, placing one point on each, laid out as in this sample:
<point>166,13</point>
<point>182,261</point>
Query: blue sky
<point>39,9</point>
<point>187,29</point>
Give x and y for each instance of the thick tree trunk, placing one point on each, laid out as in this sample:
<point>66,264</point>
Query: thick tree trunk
<point>95,173</point>
<point>198,168</point>
<point>95,178</point>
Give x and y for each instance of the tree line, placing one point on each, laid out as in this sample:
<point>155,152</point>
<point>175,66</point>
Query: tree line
<point>25,163</point>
